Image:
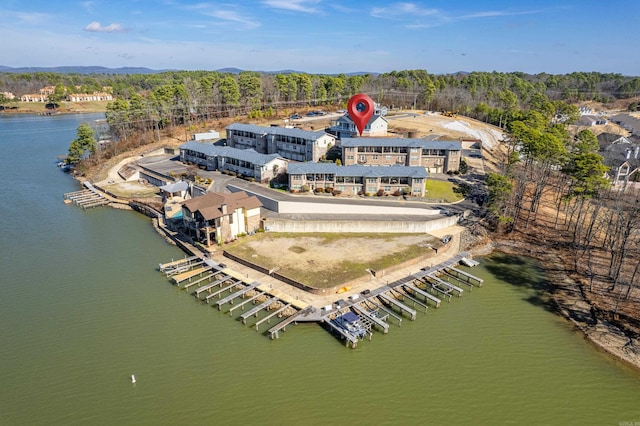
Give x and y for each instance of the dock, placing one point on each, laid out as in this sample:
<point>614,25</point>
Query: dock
<point>351,319</point>
<point>86,199</point>
<point>229,299</point>
<point>257,309</point>
<point>190,274</point>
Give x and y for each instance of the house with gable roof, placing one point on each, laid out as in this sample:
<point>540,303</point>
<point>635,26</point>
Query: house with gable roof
<point>622,155</point>
<point>215,218</point>
<point>344,127</point>
<point>290,143</point>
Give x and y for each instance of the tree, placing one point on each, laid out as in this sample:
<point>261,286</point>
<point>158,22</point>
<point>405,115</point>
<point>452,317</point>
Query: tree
<point>85,142</point>
<point>500,192</point>
<point>230,92</point>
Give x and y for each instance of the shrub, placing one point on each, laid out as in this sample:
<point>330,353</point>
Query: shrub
<point>361,192</point>
<point>337,192</point>
<point>318,190</point>
<point>305,188</point>
<point>328,190</point>
<point>397,193</point>
<point>380,193</point>
<point>367,194</point>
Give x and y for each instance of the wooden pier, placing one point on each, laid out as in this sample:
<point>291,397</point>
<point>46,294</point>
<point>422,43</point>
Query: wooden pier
<point>257,309</point>
<point>367,310</point>
<point>239,293</point>
<point>86,199</point>
<point>273,314</point>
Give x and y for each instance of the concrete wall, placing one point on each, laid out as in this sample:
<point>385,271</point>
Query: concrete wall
<point>303,207</point>
<point>379,226</point>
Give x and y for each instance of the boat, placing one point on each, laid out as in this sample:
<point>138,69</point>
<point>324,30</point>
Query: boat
<point>133,378</point>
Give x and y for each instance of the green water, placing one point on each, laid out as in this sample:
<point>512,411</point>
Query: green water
<point>82,308</point>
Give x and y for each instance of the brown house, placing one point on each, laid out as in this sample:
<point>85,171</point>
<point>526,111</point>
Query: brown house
<point>217,218</point>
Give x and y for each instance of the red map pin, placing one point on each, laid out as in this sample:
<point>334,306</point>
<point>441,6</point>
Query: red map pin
<point>360,108</point>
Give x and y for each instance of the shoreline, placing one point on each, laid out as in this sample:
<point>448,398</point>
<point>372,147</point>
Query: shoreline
<point>565,293</point>
<point>569,302</point>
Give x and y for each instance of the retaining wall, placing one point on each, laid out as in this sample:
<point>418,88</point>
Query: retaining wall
<point>361,226</point>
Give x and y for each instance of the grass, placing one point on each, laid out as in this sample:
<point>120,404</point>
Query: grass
<point>39,107</point>
<point>442,190</point>
<point>325,273</point>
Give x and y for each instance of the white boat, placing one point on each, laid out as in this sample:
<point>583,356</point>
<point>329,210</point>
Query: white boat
<point>133,378</point>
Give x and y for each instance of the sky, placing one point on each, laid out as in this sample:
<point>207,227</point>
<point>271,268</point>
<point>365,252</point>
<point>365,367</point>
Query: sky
<point>325,36</point>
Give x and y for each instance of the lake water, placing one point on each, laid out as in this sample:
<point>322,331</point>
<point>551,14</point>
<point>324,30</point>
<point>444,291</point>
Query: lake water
<point>82,307</point>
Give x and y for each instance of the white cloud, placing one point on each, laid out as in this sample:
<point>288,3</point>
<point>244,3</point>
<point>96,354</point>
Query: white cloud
<point>402,9</point>
<point>412,10</point>
<point>231,15</point>
<point>305,6</point>
<point>97,27</point>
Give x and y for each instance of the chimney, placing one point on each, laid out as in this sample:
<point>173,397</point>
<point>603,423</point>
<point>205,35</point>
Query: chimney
<point>628,153</point>
<point>223,208</point>
<point>636,152</point>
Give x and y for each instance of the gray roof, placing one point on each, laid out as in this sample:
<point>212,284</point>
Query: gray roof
<point>347,118</point>
<point>402,142</point>
<point>248,155</point>
<point>284,131</point>
<point>615,155</point>
<point>357,170</point>
<point>176,186</point>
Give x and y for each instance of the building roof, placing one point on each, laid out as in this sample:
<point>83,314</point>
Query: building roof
<point>357,170</point>
<point>283,131</point>
<point>402,142</point>
<point>347,118</point>
<point>176,186</point>
<point>248,155</point>
<point>210,204</point>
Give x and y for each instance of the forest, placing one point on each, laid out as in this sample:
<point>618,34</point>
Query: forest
<point>148,101</point>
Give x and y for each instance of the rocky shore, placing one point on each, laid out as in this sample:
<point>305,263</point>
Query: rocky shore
<point>567,296</point>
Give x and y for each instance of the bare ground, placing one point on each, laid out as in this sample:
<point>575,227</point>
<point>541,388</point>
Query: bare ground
<point>326,260</point>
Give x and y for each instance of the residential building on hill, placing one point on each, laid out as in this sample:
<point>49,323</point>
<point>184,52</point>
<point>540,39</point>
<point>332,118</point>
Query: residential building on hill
<point>434,156</point>
<point>622,155</point>
<point>293,144</point>
<point>344,127</point>
<point>34,97</point>
<point>356,179</point>
<point>215,218</point>
<point>89,97</point>
<point>247,162</point>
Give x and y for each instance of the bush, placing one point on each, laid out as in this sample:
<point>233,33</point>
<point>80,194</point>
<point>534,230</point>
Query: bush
<point>318,190</point>
<point>367,194</point>
<point>337,192</point>
<point>361,192</point>
<point>305,188</point>
<point>328,190</point>
<point>380,193</point>
<point>397,193</point>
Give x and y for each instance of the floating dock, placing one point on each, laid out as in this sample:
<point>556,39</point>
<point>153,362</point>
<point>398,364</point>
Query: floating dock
<point>86,199</point>
<point>351,320</point>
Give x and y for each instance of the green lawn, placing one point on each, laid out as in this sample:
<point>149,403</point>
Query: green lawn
<point>442,190</point>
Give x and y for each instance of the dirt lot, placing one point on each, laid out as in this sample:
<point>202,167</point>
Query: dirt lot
<point>327,260</point>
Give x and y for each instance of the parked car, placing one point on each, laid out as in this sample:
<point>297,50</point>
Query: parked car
<point>311,113</point>
<point>295,116</point>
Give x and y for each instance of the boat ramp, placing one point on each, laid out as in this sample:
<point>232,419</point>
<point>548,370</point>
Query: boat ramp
<point>352,319</point>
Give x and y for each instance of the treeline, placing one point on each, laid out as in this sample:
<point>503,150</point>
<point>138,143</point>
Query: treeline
<point>158,100</point>
<point>553,186</point>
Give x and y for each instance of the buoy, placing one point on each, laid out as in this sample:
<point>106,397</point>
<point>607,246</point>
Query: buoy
<point>133,378</point>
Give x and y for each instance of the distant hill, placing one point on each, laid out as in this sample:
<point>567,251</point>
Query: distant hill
<point>141,70</point>
<point>82,70</point>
